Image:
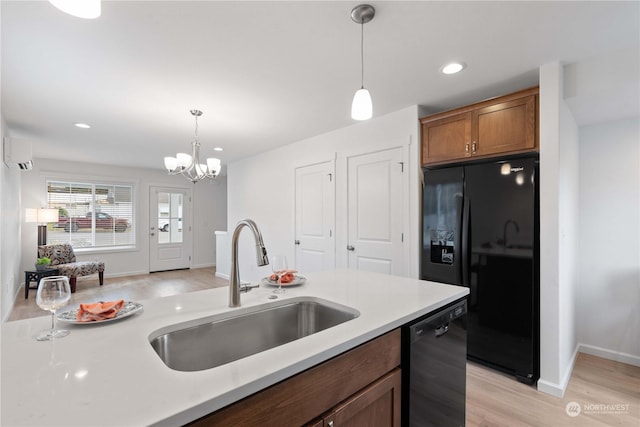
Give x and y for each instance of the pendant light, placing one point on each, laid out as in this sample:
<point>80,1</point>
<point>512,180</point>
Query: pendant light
<point>361,107</point>
<point>86,9</point>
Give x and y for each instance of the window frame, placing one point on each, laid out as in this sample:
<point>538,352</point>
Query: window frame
<point>99,181</point>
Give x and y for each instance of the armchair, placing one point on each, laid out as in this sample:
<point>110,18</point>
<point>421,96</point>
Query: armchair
<point>64,259</point>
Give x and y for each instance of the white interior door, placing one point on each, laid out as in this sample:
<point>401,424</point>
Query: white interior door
<point>169,229</point>
<point>375,220</point>
<point>315,217</point>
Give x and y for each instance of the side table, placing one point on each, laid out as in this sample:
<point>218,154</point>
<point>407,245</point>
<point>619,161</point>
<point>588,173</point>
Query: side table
<point>35,276</point>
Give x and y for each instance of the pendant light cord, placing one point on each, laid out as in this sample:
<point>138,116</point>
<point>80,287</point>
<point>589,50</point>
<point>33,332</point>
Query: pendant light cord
<point>362,54</point>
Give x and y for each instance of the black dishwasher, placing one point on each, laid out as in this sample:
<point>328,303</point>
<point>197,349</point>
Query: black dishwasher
<point>434,368</point>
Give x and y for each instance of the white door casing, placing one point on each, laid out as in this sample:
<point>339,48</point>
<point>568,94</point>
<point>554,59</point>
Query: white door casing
<point>170,237</point>
<point>315,217</point>
<point>375,211</point>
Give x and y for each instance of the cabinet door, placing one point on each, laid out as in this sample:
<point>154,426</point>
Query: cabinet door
<point>446,139</point>
<point>505,127</point>
<point>377,405</point>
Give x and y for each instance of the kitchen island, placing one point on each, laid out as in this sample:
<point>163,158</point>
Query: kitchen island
<point>108,374</point>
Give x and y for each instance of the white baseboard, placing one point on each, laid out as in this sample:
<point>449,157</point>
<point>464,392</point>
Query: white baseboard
<point>558,389</point>
<point>222,275</point>
<point>127,273</point>
<point>617,356</point>
<point>209,264</point>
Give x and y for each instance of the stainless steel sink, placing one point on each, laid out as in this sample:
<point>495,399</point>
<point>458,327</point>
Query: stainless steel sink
<point>213,341</point>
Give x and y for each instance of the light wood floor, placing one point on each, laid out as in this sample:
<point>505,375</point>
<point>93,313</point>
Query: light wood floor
<point>496,400</point>
<point>493,399</point>
<point>130,288</point>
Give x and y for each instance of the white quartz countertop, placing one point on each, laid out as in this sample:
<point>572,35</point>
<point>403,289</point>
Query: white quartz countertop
<point>108,374</point>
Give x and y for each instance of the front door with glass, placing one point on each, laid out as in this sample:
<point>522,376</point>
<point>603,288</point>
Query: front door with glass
<point>170,232</point>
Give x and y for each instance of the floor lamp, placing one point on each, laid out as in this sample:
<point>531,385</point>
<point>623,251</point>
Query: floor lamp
<point>42,216</point>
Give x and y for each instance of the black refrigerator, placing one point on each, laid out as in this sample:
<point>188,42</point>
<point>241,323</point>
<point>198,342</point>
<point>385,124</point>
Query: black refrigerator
<point>481,230</point>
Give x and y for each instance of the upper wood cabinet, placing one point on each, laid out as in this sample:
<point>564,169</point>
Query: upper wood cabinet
<point>504,125</point>
<point>446,139</point>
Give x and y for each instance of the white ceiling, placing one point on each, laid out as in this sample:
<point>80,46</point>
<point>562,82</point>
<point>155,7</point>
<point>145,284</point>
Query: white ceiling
<point>269,73</point>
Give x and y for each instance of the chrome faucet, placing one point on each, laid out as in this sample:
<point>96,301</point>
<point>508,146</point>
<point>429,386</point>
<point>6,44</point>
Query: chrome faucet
<point>261,257</point>
<point>504,233</point>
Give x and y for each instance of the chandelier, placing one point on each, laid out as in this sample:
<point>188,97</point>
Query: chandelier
<point>189,165</point>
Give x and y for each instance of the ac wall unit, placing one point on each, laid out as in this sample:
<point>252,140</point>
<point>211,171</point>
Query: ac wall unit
<point>17,154</point>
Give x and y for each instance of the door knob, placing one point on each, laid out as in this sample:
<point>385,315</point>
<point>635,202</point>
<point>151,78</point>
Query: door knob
<point>297,242</point>
<point>350,248</point>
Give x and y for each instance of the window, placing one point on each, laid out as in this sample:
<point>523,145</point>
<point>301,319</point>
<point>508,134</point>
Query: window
<point>91,215</point>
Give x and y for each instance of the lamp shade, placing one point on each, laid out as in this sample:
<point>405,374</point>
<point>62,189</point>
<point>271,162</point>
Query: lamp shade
<point>362,107</point>
<point>184,160</point>
<point>87,9</point>
<point>41,215</point>
<point>171,163</point>
<point>213,165</point>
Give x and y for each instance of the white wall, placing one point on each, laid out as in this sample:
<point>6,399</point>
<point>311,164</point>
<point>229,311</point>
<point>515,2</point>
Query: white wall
<point>262,187</point>
<point>209,212</point>
<point>10,238</point>
<point>568,239</point>
<point>608,294</point>
<point>558,232</point>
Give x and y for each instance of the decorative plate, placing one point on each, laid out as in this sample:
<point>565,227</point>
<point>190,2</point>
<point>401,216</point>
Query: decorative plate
<point>297,281</point>
<point>128,309</point>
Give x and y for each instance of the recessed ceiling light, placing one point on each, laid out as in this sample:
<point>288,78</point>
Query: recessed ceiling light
<point>82,125</point>
<point>217,149</point>
<point>452,68</point>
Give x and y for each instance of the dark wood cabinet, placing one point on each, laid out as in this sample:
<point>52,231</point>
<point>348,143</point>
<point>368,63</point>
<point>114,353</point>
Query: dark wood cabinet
<point>378,405</point>
<point>504,125</point>
<point>356,386</point>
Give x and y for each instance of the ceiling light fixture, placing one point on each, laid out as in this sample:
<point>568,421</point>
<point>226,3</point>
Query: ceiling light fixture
<point>82,125</point>
<point>362,107</point>
<point>189,165</point>
<point>86,9</point>
<point>452,68</point>
<point>217,149</point>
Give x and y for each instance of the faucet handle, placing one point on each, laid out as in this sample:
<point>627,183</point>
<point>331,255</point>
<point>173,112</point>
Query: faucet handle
<point>248,287</point>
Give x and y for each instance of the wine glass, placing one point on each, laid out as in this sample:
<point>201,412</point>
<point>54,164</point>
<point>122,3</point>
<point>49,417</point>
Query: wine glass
<point>53,292</point>
<point>279,267</point>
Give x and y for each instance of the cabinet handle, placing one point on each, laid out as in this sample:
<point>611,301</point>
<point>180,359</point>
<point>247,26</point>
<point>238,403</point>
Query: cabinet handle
<point>350,248</point>
<point>296,242</point>
<point>466,148</point>
<point>474,145</point>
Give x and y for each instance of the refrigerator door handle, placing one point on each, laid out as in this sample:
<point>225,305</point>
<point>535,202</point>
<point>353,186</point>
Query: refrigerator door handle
<point>465,241</point>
